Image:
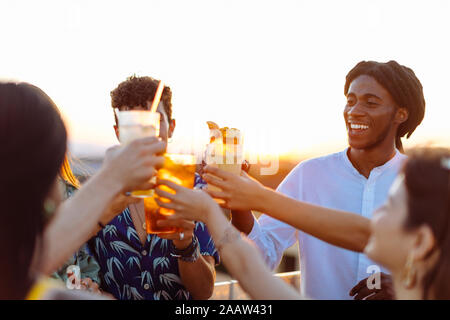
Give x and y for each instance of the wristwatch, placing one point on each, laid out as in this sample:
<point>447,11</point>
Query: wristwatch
<point>190,254</point>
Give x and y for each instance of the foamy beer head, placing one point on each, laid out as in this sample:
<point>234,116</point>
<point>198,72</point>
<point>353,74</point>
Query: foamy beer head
<point>135,124</point>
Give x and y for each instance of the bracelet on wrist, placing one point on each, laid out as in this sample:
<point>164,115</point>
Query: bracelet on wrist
<point>194,257</point>
<point>188,253</point>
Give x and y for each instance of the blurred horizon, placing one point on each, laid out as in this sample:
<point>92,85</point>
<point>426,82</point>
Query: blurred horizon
<point>275,70</point>
<point>87,150</point>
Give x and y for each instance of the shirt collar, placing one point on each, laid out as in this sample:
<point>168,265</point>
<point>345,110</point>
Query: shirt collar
<point>396,159</point>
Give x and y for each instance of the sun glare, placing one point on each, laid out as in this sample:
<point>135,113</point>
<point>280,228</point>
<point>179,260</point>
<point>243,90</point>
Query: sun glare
<point>277,76</point>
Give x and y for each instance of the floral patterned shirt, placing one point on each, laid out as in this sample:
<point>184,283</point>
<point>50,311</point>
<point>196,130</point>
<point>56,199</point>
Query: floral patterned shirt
<point>132,271</point>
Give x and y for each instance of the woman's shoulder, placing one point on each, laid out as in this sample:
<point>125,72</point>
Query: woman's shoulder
<point>50,289</point>
<point>66,294</point>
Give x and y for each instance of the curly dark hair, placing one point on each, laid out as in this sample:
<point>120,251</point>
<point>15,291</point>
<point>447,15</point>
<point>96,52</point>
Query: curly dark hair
<point>404,87</point>
<point>136,91</point>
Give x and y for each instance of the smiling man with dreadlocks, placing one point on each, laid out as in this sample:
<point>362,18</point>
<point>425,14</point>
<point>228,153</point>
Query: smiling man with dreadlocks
<point>384,103</point>
<point>404,88</point>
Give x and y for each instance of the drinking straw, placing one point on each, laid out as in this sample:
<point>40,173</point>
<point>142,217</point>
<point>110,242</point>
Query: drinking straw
<point>157,96</point>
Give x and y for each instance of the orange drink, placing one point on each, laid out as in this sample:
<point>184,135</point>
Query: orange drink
<point>180,169</point>
<point>224,151</point>
<point>152,214</point>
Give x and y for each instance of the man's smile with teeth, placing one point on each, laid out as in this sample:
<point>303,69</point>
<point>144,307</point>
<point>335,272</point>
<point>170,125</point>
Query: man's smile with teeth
<point>357,126</point>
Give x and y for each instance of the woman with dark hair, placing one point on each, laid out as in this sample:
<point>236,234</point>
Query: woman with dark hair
<point>411,232</point>
<point>409,235</point>
<point>37,234</point>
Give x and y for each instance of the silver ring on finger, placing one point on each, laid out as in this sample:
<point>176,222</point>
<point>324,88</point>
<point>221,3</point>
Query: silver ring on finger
<point>181,236</point>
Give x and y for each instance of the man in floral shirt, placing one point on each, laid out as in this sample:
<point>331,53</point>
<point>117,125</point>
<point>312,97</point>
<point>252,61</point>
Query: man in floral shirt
<point>137,265</point>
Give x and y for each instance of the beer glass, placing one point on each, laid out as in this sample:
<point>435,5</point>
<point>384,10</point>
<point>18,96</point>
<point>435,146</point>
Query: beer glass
<point>135,124</point>
<point>180,169</point>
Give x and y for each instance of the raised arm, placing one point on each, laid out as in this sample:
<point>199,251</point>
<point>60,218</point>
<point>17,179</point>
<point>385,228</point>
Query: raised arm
<point>243,261</point>
<point>240,257</point>
<point>340,228</point>
<point>76,219</point>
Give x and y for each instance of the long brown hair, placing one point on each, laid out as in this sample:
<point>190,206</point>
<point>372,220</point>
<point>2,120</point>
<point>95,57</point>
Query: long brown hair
<point>427,180</point>
<point>33,142</point>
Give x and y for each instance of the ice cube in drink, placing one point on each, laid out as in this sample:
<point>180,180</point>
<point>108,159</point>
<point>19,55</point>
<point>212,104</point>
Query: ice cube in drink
<point>133,132</point>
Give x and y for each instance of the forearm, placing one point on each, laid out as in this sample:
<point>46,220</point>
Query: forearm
<point>242,220</point>
<point>198,277</point>
<point>340,228</point>
<point>245,264</point>
<point>76,220</point>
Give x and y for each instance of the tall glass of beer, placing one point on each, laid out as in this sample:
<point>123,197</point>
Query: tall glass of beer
<point>180,169</point>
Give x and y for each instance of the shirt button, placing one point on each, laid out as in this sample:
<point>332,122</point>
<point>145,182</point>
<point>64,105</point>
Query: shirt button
<point>144,252</point>
<point>146,286</point>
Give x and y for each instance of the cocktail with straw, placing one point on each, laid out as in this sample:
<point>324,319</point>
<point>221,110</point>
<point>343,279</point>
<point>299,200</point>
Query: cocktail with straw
<point>136,124</point>
<point>177,168</point>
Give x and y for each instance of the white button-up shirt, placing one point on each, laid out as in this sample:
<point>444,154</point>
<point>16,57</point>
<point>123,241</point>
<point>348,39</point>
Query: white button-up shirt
<point>327,272</point>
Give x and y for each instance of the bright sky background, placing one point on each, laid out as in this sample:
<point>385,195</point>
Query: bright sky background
<point>274,69</point>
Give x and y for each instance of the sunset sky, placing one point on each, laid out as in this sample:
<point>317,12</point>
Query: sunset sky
<point>274,69</point>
